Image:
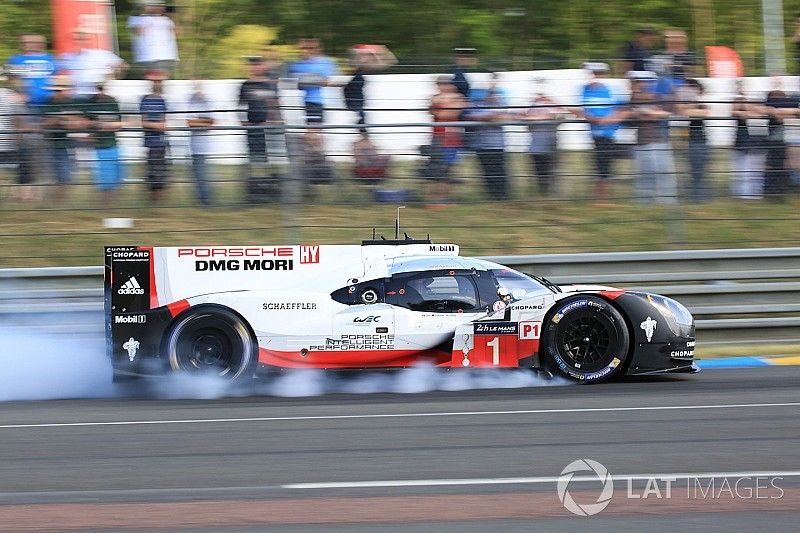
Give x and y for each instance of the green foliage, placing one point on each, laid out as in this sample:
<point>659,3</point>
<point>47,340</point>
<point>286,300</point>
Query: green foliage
<point>245,40</point>
<point>513,33</point>
<point>18,17</point>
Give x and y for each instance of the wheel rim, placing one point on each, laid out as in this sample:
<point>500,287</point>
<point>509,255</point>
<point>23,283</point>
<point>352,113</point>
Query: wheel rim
<point>210,344</point>
<point>587,341</point>
<point>209,349</point>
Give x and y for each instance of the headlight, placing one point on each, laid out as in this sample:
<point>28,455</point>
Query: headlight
<point>678,318</point>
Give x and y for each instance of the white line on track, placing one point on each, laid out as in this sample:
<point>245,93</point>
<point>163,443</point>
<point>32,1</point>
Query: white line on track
<point>531,480</point>
<point>252,490</point>
<point>400,415</point>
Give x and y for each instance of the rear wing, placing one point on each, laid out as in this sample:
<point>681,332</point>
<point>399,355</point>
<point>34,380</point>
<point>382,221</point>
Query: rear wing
<point>127,288</point>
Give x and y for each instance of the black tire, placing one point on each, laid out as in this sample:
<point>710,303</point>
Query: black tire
<point>586,339</point>
<point>211,340</point>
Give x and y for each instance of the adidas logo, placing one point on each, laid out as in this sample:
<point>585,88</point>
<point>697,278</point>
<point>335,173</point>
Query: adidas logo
<point>131,287</point>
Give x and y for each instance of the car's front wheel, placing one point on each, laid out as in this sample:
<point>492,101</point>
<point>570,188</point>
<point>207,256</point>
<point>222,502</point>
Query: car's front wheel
<point>211,340</point>
<point>586,339</point>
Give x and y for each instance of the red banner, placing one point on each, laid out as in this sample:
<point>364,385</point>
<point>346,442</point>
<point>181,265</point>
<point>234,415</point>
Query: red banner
<point>723,62</point>
<point>91,17</point>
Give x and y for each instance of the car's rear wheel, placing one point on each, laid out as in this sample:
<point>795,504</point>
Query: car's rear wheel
<point>212,340</point>
<point>586,339</point>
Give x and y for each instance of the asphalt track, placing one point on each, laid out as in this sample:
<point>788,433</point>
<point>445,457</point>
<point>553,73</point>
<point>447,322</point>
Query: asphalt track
<point>454,461</point>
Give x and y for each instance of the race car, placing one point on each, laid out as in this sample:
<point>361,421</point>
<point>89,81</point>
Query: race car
<point>240,311</point>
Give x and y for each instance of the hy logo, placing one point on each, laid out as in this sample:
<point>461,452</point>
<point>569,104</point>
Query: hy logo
<point>597,471</point>
<point>131,287</point>
<point>649,327</point>
<point>309,254</point>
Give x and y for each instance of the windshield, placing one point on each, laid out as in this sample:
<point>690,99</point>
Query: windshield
<point>518,284</point>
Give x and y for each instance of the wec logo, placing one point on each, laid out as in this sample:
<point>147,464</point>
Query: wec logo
<point>364,319</point>
<point>131,287</point>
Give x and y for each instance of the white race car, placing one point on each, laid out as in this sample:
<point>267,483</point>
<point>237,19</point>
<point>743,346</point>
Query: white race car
<point>238,310</point>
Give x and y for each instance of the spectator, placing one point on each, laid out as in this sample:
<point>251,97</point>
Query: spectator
<point>155,44</point>
<point>105,121</point>
<point>316,169</point>
<point>313,73</point>
<point>273,66</point>
<point>464,59</point>
<point>544,115</point>
<point>656,168</point>
<point>199,121</point>
<point>364,58</point>
<point>602,110</point>
<point>780,106</point>
<point>27,139</point>
<point>369,165</point>
<point>9,101</point>
<point>91,67</point>
<point>796,38</point>
<point>62,116</point>
<point>153,111</point>
<point>748,156</point>
<point>445,106</point>
<point>275,70</point>
<point>258,98</point>
<point>637,51</point>
<point>681,63</point>
<point>690,105</point>
<point>34,66</point>
<point>489,141</point>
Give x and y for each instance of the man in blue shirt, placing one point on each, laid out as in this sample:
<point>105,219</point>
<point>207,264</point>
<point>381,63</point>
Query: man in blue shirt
<point>153,110</point>
<point>601,109</point>
<point>312,73</point>
<point>35,66</point>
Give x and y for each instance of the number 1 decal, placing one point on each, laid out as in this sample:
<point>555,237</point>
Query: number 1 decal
<point>495,344</point>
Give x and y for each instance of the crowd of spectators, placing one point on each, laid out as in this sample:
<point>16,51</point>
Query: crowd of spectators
<point>52,107</point>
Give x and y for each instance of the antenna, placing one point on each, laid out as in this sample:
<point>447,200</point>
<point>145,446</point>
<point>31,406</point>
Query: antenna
<point>397,222</point>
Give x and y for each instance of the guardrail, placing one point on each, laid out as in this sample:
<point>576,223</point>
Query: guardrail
<point>738,296</point>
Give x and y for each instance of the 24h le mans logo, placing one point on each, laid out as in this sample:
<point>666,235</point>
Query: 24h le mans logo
<point>585,465</point>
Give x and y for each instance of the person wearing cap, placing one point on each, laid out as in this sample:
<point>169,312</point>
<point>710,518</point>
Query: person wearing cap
<point>488,141</point>
<point>656,179</point>
<point>602,109</point>
<point>153,111</point>
<point>34,66</point>
<point>313,73</point>
<point>463,59</point>
<point>61,117</point>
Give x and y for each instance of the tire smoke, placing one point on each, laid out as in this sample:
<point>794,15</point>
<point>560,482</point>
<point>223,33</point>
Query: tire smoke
<point>37,366</point>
